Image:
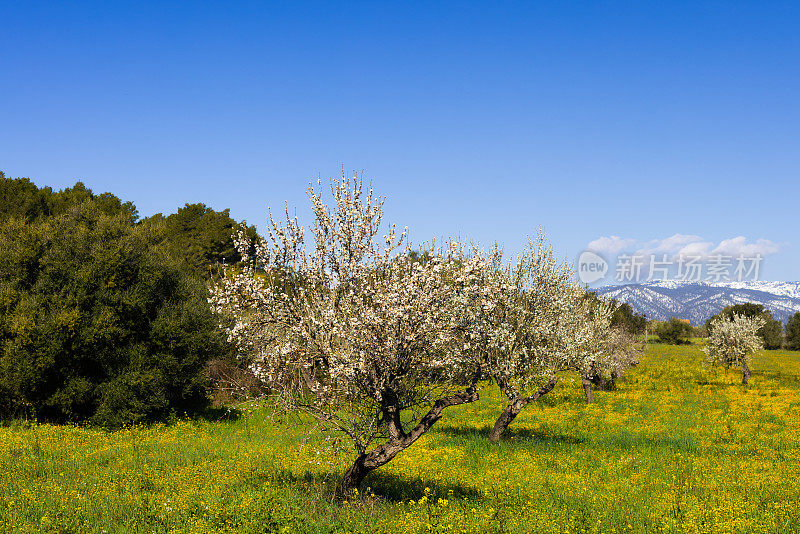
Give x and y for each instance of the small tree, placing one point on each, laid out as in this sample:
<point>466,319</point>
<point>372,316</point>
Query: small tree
<point>596,350</point>
<point>364,337</point>
<point>675,331</point>
<point>732,342</point>
<point>515,341</point>
<point>540,323</point>
<point>621,354</point>
<point>772,331</point>
<point>793,332</point>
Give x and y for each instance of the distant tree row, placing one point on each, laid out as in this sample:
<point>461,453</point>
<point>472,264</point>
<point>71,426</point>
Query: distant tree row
<point>198,236</point>
<point>103,316</point>
<point>771,331</point>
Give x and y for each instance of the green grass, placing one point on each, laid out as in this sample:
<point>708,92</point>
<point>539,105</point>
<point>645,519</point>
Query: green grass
<point>676,449</point>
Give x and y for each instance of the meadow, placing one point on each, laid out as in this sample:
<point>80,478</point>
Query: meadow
<point>677,448</point>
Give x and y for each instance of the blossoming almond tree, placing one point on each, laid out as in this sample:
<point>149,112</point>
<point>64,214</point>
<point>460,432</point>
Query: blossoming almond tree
<point>732,342</point>
<point>622,353</point>
<point>514,342</point>
<point>596,350</point>
<point>363,335</point>
<point>541,322</point>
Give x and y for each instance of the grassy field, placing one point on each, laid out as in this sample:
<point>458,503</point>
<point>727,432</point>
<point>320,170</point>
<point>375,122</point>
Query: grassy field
<point>675,449</point>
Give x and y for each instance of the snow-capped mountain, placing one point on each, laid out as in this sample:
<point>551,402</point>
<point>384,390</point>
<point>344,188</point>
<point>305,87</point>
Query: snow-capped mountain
<point>697,301</point>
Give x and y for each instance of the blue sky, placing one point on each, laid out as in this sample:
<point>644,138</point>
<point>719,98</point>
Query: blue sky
<point>590,119</point>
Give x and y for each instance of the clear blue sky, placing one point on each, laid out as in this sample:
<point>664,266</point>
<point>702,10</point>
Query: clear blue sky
<point>638,120</point>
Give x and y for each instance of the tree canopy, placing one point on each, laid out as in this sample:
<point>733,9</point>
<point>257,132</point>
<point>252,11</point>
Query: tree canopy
<point>20,198</point>
<point>201,237</point>
<point>100,320</point>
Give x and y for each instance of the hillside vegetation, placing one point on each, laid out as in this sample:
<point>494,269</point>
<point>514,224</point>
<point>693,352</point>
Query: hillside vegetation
<point>676,448</point>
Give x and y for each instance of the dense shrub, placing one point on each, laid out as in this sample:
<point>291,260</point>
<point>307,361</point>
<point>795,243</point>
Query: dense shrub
<point>98,321</point>
<point>675,331</point>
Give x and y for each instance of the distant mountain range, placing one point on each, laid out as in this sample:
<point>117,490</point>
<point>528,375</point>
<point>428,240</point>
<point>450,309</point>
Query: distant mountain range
<point>697,301</point>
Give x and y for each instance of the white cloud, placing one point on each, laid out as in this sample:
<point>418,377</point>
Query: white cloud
<point>737,246</point>
<point>669,245</point>
<point>699,248</point>
<point>610,245</point>
<point>684,245</point>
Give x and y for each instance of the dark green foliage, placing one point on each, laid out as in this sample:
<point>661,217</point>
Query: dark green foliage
<point>793,332</point>
<point>200,236</point>
<point>675,331</point>
<point>624,316</point>
<point>771,333</point>
<point>98,322</point>
<point>20,198</point>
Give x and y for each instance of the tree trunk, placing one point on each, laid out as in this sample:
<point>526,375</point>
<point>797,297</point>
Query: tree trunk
<point>398,441</point>
<point>366,463</point>
<point>745,373</point>
<point>587,388</point>
<point>513,409</point>
<point>352,478</point>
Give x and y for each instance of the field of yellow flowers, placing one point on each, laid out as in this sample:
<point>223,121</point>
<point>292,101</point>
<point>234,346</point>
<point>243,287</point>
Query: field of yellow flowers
<point>676,449</point>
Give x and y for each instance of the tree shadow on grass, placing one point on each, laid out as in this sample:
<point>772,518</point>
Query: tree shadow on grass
<point>782,378</point>
<point>219,413</point>
<point>511,435</point>
<point>392,487</point>
<point>627,441</point>
<point>384,485</point>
